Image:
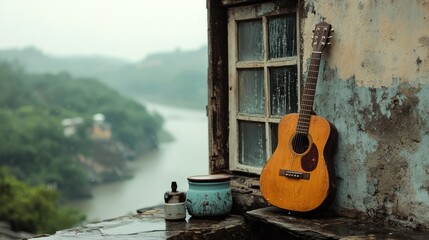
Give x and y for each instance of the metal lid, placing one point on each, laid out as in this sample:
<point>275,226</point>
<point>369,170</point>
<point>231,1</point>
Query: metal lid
<point>210,178</point>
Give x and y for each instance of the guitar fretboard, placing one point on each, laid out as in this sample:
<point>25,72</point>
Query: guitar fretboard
<point>307,98</point>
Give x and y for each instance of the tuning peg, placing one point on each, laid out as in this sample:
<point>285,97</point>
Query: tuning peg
<point>329,37</point>
<point>329,43</point>
<point>332,29</point>
<point>312,37</point>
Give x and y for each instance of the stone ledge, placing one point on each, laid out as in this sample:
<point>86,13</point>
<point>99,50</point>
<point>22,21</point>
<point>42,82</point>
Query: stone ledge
<point>263,223</point>
<point>150,224</point>
<point>7,234</point>
<point>274,223</point>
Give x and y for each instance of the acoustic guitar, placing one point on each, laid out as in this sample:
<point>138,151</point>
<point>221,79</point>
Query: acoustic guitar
<point>299,176</point>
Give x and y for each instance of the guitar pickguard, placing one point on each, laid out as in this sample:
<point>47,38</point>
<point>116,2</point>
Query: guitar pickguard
<point>309,160</point>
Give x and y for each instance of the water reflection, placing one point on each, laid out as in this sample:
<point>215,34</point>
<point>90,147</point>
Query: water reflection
<point>187,155</point>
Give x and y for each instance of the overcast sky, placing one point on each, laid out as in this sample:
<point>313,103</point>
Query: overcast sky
<point>129,29</point>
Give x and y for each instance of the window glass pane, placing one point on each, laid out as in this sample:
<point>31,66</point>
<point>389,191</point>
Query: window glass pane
<point>251,91</point>
<point>283,90</point>
<point>252,144</point>
<point>282,36</point>
<point>274,127</point>
<point>250,43</point>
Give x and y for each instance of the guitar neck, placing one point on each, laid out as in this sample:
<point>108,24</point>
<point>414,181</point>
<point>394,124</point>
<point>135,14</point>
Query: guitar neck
<point>307,98</point>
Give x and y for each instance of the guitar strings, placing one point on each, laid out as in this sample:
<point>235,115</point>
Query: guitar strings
<point>307,100</point>
<point>300,141</point>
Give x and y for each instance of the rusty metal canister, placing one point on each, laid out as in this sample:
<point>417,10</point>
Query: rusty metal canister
<point>174,204</point>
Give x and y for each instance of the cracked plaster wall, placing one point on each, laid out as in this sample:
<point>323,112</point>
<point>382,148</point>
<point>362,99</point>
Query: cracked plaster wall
<point>375,89</point>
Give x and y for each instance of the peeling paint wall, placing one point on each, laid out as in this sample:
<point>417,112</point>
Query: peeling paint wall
<point>375,89</point>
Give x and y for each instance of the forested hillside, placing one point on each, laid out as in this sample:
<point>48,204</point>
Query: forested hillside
<point>35,150</point>
<point>34,209</point>
<point>173,78</point>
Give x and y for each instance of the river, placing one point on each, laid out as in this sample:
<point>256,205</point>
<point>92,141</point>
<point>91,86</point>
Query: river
<point>187,155</point>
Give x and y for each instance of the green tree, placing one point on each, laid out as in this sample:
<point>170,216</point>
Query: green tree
<point>33,209</point>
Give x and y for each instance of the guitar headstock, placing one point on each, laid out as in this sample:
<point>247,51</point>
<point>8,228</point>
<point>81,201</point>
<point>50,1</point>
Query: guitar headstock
<point>321,36</point>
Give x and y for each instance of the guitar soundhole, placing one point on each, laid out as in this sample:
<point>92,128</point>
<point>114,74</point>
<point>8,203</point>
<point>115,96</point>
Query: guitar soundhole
<point>300,143</point>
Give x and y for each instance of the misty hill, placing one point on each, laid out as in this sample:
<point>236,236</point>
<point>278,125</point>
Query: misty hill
<point>35,145</point>
<point>35,61</point>
<point>175,78</point>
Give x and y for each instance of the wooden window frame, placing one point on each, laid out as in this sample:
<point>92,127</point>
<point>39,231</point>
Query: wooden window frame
<point>243,13</point>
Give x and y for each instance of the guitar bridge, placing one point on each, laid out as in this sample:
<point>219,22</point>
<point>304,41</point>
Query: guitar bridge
<point>294,174</point>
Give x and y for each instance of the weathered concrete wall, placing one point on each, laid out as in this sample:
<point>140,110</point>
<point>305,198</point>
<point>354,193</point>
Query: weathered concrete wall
<point>376,92</point>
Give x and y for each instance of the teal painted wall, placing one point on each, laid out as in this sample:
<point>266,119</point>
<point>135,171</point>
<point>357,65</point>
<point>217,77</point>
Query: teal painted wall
<point>375,89</point>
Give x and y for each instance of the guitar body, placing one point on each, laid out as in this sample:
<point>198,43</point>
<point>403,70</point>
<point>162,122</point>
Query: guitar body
<point>301,182</point>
